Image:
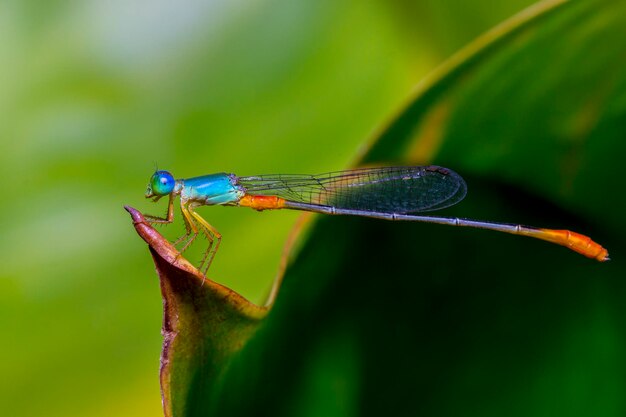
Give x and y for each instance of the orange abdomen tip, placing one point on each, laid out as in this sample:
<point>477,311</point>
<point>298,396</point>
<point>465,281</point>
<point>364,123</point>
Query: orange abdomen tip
<point>585,246</point>
<point>576,242</point>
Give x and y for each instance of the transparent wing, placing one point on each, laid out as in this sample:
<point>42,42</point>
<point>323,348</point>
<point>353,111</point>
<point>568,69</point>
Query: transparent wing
<point>388,190</point>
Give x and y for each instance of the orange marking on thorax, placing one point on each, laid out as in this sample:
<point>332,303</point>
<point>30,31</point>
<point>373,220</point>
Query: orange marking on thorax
<point>262,202</point>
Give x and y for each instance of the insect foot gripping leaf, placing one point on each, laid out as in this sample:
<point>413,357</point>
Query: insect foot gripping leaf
<point>204,325</point>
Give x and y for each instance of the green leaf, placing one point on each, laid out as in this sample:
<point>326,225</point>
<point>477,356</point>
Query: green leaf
<point>378,318</point>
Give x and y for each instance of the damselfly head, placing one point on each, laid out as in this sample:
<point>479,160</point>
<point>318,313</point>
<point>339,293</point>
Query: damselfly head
<point>161,183</point>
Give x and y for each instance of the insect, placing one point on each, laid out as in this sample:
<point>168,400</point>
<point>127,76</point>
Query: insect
<point>389,193</point>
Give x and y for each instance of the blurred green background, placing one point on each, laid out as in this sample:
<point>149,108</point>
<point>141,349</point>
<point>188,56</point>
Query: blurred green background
<point>93,94</point>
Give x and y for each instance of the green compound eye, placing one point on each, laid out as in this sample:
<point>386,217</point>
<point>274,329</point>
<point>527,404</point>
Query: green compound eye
<point>162,183</point>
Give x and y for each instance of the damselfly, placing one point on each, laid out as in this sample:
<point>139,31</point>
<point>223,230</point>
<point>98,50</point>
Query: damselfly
<point>391,193</point>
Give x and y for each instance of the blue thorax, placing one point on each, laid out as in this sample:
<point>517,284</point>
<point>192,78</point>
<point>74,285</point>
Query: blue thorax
<point>212,189</point>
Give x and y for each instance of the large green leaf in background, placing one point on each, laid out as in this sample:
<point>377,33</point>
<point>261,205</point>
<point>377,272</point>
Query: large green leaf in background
<point>378,318</point>
<point>92,93</point>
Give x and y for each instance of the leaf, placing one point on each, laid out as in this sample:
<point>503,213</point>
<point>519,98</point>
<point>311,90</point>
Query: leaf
<point>381,317</point>
<point>204,324</point>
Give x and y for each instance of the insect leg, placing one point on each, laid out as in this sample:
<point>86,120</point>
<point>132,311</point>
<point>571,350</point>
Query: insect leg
<point>169,216</point>
<point>213,236</point>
